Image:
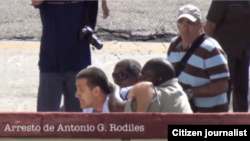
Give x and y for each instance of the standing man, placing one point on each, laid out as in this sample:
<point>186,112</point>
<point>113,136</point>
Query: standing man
<point>92,17</point>
<point>62,53</point>
<point>229,23</point>
<point>205,75</point>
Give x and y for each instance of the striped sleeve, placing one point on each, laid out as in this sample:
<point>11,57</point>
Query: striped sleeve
<point>172,47</point>
<point>216,64</point>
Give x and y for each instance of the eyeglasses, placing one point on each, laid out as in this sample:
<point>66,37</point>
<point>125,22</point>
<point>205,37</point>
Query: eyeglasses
<point>188,23</point>
<point>122,75</point>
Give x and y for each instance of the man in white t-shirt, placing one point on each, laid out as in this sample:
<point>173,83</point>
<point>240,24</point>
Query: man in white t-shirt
<point>93,90</point>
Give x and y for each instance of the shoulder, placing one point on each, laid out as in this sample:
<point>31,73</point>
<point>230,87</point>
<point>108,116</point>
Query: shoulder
<point>174,42</point>
<point>210,44</point>
<point>174,39</point>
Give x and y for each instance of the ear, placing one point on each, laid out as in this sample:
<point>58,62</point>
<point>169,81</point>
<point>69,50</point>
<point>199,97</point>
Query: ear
<point>158,81</point>
<point>96,91</point>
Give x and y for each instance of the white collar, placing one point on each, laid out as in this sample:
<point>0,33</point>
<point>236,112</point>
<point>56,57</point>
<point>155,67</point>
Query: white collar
<point>105,108</point>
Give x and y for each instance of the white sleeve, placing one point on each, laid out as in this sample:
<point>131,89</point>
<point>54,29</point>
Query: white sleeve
<point>87,110</point>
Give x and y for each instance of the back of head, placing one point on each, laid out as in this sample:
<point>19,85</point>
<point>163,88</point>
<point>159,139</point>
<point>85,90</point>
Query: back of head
<point>131,65</point>
<point>161,68</point>
<point>95,77</point>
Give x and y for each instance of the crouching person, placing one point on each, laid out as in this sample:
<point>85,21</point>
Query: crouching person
<point>93,90</point>
<point>159,91</point>
<point>126,74</point>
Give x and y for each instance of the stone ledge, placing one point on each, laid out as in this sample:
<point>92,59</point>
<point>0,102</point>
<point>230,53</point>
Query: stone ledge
<point>155,124</point>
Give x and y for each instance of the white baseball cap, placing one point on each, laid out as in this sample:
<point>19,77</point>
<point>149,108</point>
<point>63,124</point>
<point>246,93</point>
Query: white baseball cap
<point>190,12</point>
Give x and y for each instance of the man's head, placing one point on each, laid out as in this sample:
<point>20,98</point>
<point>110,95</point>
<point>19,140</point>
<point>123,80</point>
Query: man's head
<point>126,72</point>
<point>92,87</point>
<point>157,71</point>
<point>189,21</point>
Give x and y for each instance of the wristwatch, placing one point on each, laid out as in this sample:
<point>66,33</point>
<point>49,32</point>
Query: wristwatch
<point>190,92</point>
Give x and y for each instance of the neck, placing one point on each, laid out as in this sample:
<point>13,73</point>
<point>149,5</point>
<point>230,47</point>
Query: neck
<point>189,40</point>
<point>99,102</point>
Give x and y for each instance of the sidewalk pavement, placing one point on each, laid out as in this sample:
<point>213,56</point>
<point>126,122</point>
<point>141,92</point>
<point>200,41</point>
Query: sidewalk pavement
<point>19,68</point>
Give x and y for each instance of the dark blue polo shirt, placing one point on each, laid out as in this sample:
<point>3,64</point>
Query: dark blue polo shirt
<point>61,50</point>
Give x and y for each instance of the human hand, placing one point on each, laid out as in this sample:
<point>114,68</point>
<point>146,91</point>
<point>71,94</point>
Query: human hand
<point>36,2</point>
<point>105,9</point>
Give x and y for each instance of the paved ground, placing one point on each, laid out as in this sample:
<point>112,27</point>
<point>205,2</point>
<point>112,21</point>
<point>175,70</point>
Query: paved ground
<point>143,20</point>
<point>137,20</point>
<point>19,70</point>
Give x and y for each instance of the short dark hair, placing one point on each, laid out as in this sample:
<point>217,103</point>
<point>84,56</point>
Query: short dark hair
<point>161,68</point>
<point>95,77</point>
<point>131,65</point>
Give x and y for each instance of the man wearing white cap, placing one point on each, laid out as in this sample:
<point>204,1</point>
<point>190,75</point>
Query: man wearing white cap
<point>200,63</point>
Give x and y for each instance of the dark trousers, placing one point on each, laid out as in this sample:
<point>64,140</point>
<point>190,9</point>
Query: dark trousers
<point>51,88</point>
<point>238,68</point>
<point>92,13</point>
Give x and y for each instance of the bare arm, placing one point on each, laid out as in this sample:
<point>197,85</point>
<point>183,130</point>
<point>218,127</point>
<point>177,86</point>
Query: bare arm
<point>116,104</point>
<point>212,89</point>
<point>105,9</point>
<point>215,15</point>
<point>218,73</point>
<point>209,28</point>
<point>143,94</point>
<point>36,2</point>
